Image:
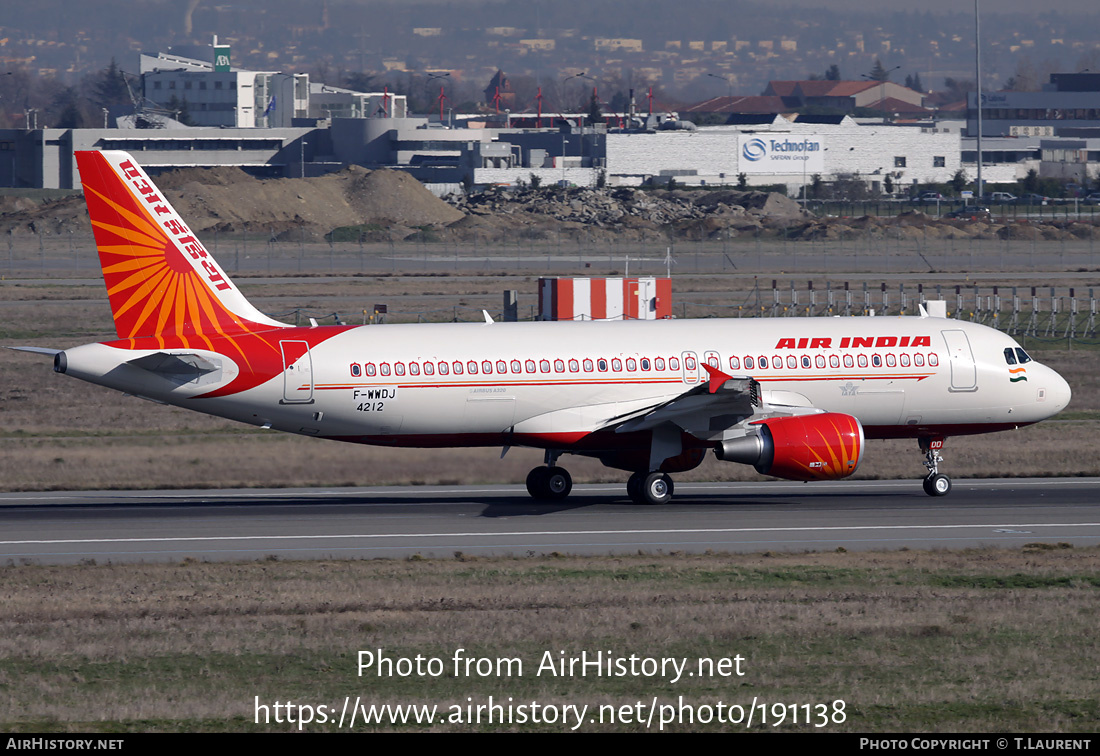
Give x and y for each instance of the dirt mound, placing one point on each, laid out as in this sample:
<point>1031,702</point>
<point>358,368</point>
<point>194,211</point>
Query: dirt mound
<point>395,197</point>
<point>220,176</point>
<point>229,200</point>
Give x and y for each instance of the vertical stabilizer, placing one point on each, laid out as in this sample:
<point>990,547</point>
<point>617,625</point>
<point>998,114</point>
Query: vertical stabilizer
<point>160,279</point>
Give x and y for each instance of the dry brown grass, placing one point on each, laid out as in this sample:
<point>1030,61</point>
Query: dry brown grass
<point>912,641</point>
<point>57,433</point>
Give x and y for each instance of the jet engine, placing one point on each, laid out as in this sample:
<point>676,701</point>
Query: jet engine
<point>826,446</point>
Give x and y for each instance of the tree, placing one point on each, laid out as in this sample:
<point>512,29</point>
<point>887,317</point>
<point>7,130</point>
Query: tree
<point>957,89</point>
<point>888,184</point>
<point>359,81</point>
<point>110,87</point>
<point>817,185</point>
<point>833,73</point>
<point>913,82</point>
<point>66,106</point>
<point>1031,181</point>
<point>742,181</point>
<point>536,182</point>
<point>879,72</point>
<point>959,181</point>
<point>595,114</point>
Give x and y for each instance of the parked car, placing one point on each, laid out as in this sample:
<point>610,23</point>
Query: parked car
<point>971,212</point>
<point>931,197</point>
<point>999,198</point>
<point>1034,199</point>
<point>1092,199</point>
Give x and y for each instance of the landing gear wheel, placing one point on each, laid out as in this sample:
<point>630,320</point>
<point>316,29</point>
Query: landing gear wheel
<point>558,483</point>
<point>655,488</point>
<point>536,482</point>
<point>937,485</point>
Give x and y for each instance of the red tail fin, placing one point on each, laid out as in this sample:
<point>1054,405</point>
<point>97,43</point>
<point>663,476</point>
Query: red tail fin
<point>160,279</point>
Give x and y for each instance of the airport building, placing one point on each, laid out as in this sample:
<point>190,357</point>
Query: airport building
<point>280,124</point>
<point>1068,104</point>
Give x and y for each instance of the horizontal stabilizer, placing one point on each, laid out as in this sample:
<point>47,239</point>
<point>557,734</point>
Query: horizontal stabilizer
<point>37,350</point>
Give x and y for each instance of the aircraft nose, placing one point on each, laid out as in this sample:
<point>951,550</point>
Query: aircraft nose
<point>1058,392</point>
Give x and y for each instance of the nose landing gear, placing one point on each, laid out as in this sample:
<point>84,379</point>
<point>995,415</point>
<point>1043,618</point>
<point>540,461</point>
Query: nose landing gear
<point>935,483</point>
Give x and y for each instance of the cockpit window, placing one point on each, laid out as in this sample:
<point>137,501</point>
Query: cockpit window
<point>1010,356</point>
<point>1022,355</point>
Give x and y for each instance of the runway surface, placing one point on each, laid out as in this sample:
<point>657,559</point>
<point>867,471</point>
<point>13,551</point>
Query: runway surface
<point>395,522</point>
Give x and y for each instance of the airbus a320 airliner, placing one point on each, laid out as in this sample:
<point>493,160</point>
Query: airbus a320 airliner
<point>794,397</point>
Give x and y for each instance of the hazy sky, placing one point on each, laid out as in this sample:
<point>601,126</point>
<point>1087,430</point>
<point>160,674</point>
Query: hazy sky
<point>967,6</point>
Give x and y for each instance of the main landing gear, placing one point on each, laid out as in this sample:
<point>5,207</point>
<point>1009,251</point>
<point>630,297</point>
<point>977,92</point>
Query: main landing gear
<point>935,483</point>
<point>650,488</point>
<point>550,483</point>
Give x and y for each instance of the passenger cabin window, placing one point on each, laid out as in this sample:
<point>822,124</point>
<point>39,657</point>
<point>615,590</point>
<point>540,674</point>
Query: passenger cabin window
<point>529,366</point>
<point>748,363</point>
<point>516,366</point>
<point>820,361</point>
<point>502,367</point>
<point>918,360</point>
<point>443,369</point>
<point>673,363</point>
<point>384,368</point>
<point>414,368</point>
<point>876,360</point>
<point>616,364</point>
<point>862,360</point>
<point>429,368</point>
<point>905,360</point>
<point>456,367</point>
<point>399,368</point>
<point>486,367</point>
<point>544,366</point>
<point>370,368</point>
<point>559,366</point>
<point>588,366</point>
<point>574,366</point>
<point>631,364</point>
<point>356,370</point>
<point>659,363</point>
<point>933,360</point>
<point>834,361</point>
<point>602,365</point>
<point>645,363</point>
<point>890,360</point>
<point>792,362</point>
<point>848,361</point>
<point>471,367</point>
<point>735,363</point>
<point>805,361</point>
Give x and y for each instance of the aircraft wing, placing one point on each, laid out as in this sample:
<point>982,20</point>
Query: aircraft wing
<point>717,404</point>
<point>712,409</point>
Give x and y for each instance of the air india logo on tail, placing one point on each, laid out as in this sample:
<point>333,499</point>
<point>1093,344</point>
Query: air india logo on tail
<point>160,280</point>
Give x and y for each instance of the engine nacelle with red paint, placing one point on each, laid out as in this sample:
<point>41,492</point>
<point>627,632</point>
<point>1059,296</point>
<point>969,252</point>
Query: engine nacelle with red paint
<point>804,447</point>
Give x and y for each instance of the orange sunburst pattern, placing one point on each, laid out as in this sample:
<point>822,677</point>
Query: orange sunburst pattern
<point>816,447</point>
<point>160,280</point>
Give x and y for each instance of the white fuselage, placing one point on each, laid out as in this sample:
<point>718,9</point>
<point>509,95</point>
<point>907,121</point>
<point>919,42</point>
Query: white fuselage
<point>550,384</point>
